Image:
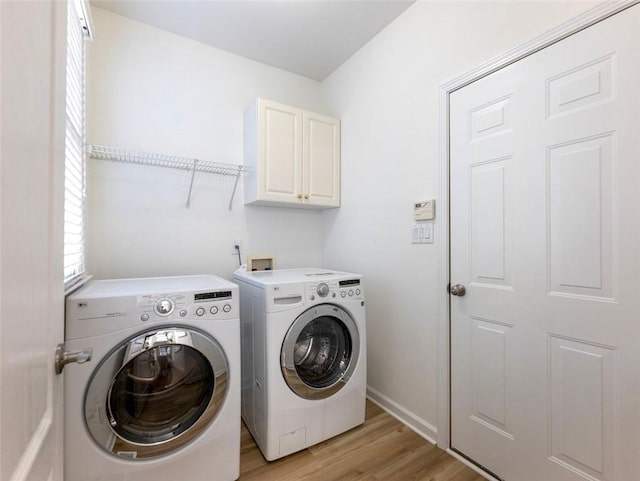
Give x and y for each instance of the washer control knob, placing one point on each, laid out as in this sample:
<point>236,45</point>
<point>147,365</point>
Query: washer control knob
<point>183,313</point>
<point>226,308</point>
<point>357,292</point>
<point>313,298</point>
<point>323,290</point>
<point>164,307</point>
<point>333,294</point>
<point>213,310</point>
<point>343,294</point>
<point>200,311</point>
<point>350,292</point>
<point>144,317</point>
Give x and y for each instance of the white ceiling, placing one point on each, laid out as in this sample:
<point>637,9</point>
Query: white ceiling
<point>307,37</point>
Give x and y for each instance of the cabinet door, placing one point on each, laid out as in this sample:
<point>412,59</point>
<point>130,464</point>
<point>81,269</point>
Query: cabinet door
<point>279,152</point>
<point>321,160</point>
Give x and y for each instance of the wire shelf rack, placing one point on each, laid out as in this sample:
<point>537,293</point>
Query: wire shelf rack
<point>115,154</point>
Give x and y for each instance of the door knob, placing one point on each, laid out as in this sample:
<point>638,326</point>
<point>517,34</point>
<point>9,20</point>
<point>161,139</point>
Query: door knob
<point>66,357</point>
<point>458,290</point>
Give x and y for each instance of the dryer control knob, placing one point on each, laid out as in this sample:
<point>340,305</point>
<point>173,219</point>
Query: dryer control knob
<point>343,294</point>
<point>226,308</point>
<point>323,290</point>
<point>200,311</point>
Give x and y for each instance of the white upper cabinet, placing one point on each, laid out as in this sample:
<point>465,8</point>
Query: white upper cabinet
<point>293,156</point>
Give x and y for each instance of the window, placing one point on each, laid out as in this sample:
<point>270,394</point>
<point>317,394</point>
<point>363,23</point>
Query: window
<point>74,185</point>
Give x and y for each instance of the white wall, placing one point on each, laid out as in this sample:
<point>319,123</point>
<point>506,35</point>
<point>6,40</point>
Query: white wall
<point>154,91</point>
<point>387,98</point>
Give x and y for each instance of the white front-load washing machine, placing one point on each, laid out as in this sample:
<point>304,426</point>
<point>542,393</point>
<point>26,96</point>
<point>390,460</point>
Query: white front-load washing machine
<point>304,373</point>
<point>160,397</point>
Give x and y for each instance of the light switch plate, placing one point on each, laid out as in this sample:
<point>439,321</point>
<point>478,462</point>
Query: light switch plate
<point>422,233</point>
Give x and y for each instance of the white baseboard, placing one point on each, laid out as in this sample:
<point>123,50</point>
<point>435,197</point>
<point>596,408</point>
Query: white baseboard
<point>402,414</point>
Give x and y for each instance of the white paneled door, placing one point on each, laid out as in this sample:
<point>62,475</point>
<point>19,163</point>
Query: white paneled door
<point>32,122</point>
<point>545,236</point>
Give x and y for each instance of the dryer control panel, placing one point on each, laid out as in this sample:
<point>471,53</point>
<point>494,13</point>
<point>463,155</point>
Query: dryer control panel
<point>110,305</point>
<point>202,305</point>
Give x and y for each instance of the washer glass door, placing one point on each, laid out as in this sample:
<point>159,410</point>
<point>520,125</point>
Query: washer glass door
<point>156,392</point>
<point>320,351</point>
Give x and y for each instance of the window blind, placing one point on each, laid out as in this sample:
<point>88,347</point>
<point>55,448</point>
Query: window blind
<point>74,196</point>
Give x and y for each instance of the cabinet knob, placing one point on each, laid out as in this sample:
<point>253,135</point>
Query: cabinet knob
<point>306,197</point>
<point>299,196</point>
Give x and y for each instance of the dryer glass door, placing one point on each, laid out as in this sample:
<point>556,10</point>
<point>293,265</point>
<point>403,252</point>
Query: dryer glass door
<point>320,352</point>
<point>163,388</point>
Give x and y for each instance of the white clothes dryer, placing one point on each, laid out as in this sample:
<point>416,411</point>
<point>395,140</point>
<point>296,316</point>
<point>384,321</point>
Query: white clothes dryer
<point>304,373</point>
<point>160,397</point>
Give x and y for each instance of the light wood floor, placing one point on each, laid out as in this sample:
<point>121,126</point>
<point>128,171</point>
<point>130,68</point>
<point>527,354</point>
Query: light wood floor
<point>381,449</point>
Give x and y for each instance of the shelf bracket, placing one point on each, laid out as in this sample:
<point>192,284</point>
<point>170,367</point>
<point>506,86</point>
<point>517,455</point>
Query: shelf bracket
<point>193,174</point>
<point>235,186</point>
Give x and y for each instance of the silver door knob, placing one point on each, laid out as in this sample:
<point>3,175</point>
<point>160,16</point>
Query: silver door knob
<point>458,290</point>
<point>66,357</point>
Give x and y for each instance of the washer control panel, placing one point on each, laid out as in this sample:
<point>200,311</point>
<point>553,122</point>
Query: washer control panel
<point>335,290</point>
<point>210,305</point>
<point>350,289</point>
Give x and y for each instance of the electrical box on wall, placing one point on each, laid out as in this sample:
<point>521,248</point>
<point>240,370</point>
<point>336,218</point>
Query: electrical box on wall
<point>422,232</point>
<point>424,210</point>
